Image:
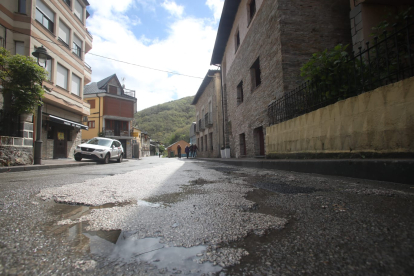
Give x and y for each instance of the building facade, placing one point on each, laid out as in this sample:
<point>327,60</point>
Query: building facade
<point>260,47</point>
<point>208,104</point>
<point>60,27</point>
<point>193,130</point>
<point>112,112</point>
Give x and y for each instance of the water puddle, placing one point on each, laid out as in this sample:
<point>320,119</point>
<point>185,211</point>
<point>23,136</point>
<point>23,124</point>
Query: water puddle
<point>120,247</point>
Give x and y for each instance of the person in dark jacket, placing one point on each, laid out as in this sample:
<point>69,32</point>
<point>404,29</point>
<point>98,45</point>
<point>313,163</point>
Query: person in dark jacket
<point>179,151</point>
<point>187,150</point>
<point>195,150</point>
<point>191,150</point>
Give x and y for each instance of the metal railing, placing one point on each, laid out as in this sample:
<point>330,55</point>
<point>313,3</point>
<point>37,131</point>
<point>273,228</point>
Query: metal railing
<point>201,125</point>
<point>129,92</point>
<point>207,119</point>
<point>88,66</point>
<point>388,60</point>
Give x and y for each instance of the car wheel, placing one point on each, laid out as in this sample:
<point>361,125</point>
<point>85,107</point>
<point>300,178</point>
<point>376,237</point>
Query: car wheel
<point>78,158</point>
<point>106,159</point>
<point>120,158</point>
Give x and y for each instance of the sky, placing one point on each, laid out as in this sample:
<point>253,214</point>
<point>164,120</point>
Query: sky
<point>169,35</point>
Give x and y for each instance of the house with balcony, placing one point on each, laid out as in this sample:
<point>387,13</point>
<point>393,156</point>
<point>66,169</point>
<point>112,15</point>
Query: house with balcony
<point>260,47</point>
<point>60,27</point>
<point>209,125</point>
<point>112,112</point>
<point>193,130</point>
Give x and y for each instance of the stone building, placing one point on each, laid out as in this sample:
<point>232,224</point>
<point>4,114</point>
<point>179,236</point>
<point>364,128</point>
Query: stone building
<point>208,105</point>
<point>260,46</point>
<point>60,27</point>
<point>112,112</point>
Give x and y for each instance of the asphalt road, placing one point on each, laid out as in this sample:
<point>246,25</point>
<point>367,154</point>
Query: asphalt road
<point>191,217</point>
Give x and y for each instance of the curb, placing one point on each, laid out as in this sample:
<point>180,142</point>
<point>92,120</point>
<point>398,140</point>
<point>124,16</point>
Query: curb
<point>390,170</point>
<point>42,167</point>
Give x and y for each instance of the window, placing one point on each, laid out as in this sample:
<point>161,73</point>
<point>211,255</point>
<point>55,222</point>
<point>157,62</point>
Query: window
<point>22,6</point>
<point>45,16</point>
<point>67,2</point>
<point>242,142</point>
<point>49,69</point>
<point>211,140</point>
<point>237,40</point>
<point>78,10</point>
<point>124,126</point>
<point>112,90</point>
<point>19,47</point>
<point>50,132</point>
<point>77,46</point>
<point>205,142</point>
<point>255,74</point>
<point>64,33</point>
<point>240,93</point>
<point>92,103</point>
<point>76,85</point>
<point>91,124</point>
<point>109,124</point>
<point>62,76</point>
<point>252,9</point>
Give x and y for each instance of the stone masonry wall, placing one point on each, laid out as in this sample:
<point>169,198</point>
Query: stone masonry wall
<point>209,94</point>
<point>283,35</point>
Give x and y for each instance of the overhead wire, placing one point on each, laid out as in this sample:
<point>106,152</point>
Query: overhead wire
<point>129,63</point>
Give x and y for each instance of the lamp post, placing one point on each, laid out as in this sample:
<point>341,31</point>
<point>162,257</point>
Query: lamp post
<point>42,58</point>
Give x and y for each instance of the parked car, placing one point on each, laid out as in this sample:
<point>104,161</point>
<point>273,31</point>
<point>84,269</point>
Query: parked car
<point>101,149</point>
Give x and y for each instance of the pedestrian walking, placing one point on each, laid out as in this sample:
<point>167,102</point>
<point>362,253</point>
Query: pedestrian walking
<point>191,150</point>
<point>195,150</point>
<point>179,151</point>
<point>187,151</point>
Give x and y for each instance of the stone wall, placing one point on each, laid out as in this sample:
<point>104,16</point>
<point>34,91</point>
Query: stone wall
<point>379,123</point>
<point>283,35</point>
<point>13,152</point>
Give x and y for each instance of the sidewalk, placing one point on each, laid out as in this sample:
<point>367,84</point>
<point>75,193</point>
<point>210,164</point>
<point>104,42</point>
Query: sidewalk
<point>392,170</point>
<point>51,164</point>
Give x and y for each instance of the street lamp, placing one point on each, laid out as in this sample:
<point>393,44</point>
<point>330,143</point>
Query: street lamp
<point>42,58</point>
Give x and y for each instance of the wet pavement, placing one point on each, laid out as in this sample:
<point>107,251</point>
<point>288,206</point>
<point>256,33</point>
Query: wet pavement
<point>160,216</point>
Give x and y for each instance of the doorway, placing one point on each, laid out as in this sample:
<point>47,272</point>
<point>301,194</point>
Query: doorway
<point>60,143</point>
<point>259,148</point>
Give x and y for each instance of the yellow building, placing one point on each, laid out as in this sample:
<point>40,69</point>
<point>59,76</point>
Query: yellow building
<point>112,109</point>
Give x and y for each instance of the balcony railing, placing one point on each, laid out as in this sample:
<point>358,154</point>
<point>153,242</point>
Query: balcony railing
<point>201,124</point>
<point>129,92</point>
<point>117,133</point>
<point>208,119</point>
<point>388,60</point>
<point>88,66</point>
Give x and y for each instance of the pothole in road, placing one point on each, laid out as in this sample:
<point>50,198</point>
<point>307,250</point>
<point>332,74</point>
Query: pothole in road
<point>120,247</point>
<point>283,188</point>
<point>225,169</point>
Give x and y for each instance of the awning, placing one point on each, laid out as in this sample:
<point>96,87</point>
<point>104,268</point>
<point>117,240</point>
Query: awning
<point>66,122</point>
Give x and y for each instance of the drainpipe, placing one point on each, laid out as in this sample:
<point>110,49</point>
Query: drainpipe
<point>99,113</point>
<point>222,103</point>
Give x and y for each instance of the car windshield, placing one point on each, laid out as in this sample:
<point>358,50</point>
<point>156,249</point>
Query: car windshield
<point>100,142</point>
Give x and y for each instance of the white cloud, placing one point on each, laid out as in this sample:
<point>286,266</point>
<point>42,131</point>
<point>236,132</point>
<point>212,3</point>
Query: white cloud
<point>216,6</point>
<point>186,50</point>
<point>173,8</point>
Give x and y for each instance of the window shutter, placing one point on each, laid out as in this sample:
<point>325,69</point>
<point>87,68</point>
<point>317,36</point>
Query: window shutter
<point>48,12</point>
<point>64,32</point>
<point>78,10</point>
<point>62,76</point>
<point>76,82</point>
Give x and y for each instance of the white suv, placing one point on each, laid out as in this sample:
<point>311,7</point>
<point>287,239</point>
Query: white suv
<point>101,149</point>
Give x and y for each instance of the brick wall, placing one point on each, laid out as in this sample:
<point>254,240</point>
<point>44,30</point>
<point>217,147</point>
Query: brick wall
<point>283,35</point>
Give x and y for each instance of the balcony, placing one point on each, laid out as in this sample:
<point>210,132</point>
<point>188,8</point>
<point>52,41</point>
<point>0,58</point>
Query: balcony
<point>117,133</point>
<point>208,119</point>
<point>201,125</point>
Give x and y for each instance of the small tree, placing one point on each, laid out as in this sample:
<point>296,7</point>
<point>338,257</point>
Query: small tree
<point>21,78</point>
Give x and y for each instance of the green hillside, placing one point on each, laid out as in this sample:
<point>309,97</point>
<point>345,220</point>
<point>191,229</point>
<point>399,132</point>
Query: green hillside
<point>168,122</point>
